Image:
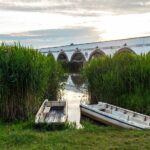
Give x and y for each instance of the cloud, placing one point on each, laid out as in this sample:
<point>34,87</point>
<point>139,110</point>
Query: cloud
<point>84,30</point>
<point>52,37</point>
<point>78,7</point>
<point>59,22</point>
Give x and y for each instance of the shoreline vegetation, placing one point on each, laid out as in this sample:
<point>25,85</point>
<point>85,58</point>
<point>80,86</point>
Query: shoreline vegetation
<point>27,77</point>
<point>122,80</point>
<point>23,136</point>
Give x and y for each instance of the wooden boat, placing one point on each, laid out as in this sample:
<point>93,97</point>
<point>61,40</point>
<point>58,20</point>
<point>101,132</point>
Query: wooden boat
<point>52,112</point>
<point>115,116</point>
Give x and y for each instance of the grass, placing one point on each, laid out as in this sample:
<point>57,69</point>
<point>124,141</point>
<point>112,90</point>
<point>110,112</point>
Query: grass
<point>23,136</point>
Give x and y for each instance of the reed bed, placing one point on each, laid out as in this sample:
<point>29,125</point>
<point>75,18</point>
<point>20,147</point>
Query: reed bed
<point>123,80</point>
<point>26,76</point>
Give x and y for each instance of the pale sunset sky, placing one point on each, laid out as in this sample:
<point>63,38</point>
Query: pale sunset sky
<point>47,23</point>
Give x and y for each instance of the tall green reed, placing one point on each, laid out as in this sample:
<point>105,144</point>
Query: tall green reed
<point>123,80</point>
<point>25,75</point>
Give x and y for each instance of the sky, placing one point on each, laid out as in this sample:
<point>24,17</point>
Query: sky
<point>48,23</point>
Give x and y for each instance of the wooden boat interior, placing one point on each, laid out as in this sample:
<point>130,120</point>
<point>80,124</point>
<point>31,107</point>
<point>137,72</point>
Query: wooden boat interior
<point>52,112</point>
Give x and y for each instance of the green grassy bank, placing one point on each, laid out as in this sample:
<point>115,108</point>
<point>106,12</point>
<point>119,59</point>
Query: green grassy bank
<point>23,136</point>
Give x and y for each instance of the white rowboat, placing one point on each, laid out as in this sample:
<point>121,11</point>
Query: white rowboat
<point>52,112</point>
<point>115,116</point>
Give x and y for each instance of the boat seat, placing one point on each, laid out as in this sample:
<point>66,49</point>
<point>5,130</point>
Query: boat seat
<point>108,111</point>
<point>120,115</point>
<point>138,120</point>
<point>46,110</point>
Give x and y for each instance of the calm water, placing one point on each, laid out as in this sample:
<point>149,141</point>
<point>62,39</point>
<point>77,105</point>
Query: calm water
<point>74,92</point>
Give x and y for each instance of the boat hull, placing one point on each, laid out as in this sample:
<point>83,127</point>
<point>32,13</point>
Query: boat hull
<point>103,118</point>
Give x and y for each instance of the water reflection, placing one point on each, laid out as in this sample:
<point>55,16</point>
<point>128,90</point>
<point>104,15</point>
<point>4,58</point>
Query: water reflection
<point>74,92</point>
<point>77,80</point>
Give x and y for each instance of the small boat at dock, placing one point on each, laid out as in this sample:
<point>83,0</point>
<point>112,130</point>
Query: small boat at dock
<point>115,116</point>
<point>52,112</point>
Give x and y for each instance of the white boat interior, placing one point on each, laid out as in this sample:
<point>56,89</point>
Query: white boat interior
<point>121,114</point>
<point>52,112</point>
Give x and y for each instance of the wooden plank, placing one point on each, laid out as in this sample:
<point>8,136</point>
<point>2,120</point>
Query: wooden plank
<point>46,110</point>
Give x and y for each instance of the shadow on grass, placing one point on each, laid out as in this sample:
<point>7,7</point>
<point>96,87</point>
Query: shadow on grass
<point>54,127</point>
<point>42,127</point>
